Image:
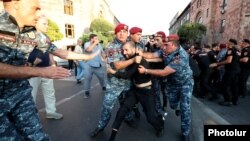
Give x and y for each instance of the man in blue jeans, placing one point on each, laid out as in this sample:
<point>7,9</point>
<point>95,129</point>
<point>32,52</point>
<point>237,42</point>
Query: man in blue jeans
<point>93,66</point>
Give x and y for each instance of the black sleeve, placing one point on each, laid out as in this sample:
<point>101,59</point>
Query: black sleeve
<point>128,73</point>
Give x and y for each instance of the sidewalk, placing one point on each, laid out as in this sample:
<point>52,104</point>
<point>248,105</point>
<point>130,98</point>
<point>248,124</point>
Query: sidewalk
<point>210,112</point>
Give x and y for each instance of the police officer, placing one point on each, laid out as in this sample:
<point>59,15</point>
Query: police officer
<point>245,66</point>
<point>18,116</point>
<point>115,86</point>
<point>135,36</point>
<point>179,79</point>
<point>230,77</point>
<point>141,91</point>
<point>159,82</point>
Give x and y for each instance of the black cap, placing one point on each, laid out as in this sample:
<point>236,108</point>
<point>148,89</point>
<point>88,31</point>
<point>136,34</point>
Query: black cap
<point>233,41</point>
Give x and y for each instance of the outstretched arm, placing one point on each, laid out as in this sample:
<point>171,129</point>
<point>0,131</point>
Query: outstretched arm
<point>16,72</point>
<point>69,55</point>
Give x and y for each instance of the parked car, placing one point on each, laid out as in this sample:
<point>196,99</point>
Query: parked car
<point>61,62</point>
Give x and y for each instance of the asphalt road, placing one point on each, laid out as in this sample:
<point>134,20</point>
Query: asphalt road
<point>81,116</point>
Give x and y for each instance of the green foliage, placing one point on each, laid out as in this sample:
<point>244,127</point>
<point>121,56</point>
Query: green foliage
<point>101,25</point>
<point>54,31</point>
<point>191,33</point>
<point>102,28</point>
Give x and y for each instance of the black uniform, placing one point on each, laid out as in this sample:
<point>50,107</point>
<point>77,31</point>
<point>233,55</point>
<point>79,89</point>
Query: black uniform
<point>230,78</point>
<point>203,60</point>
<point>245,71</point>
<point>159,84</point>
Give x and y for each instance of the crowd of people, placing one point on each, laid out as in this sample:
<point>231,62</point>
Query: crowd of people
<point>129,70</point>
<point>224,70</point>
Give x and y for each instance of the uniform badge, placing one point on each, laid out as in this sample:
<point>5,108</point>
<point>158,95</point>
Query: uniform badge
<point>111,52</point>
<point>177,59</point>
<point>31,35</point>
<point>8,37</point>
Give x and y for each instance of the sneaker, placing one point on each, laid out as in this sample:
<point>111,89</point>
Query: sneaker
<point>79,81</point>
<point>95,132</point>
<point>54,116</point>
<point>86,95</point>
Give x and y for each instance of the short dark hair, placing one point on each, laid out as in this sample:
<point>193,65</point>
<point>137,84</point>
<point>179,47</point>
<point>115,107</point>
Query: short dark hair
<point>91,36</point>
<point>246,41</point>
<point>233,41</point>
<point>207,46</point>
<point>214,45</point>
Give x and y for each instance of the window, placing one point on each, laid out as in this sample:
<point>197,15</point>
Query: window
<point>224,4</point>
<point>100,14</point>
<point>188,16</point>
<point>207,12</point>
<point>198,4</point>
<point>69,31</point>
<point>199,20</point>
<point>222,25</point>
<point>68,7</point>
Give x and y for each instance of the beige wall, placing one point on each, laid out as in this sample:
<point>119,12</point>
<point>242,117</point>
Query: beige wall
<point>84,12</point>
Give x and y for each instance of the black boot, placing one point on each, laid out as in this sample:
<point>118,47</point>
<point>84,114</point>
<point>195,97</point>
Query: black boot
<point>184,137</point>
<point>95,132</point>
<point>113,134</point>
<point>177,112</point>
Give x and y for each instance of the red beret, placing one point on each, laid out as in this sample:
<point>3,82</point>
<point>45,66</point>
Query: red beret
<point>135,30</point>
<point>161,34</point>
<point>172,37</point>
<point>223,46</point>
<point>120,27</point>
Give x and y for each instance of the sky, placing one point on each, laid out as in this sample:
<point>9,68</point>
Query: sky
<point>150,15</point>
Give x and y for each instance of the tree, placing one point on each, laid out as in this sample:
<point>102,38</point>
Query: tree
<point>54,31</point>
<point>191,33</point>
<point>102,28</point>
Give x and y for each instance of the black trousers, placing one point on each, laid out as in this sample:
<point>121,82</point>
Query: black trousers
<point>146,98</point>
<point>204,83</point>
<point>230,85</point>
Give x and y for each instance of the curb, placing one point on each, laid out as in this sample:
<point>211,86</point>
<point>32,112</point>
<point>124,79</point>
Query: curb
<point>201,115</point>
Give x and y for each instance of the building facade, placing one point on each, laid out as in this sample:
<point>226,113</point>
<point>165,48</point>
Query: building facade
<point>224,19</point>
<point>75,16</point>
<point>180,19</point>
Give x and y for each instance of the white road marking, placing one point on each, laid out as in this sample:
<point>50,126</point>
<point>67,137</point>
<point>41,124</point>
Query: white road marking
<point>69,98</point>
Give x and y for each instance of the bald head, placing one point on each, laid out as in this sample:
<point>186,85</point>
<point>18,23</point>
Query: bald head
<point>24,11</point>
<point>42,24</point>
